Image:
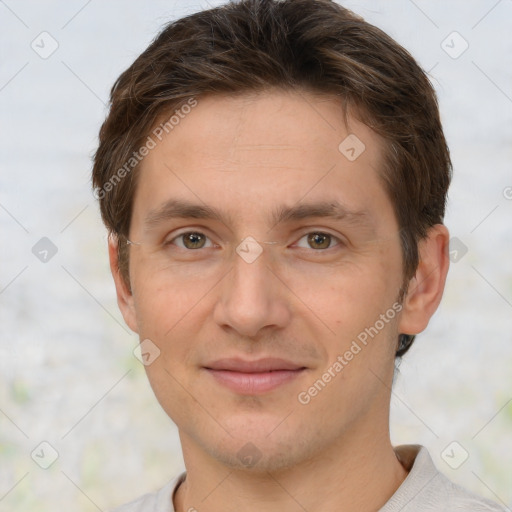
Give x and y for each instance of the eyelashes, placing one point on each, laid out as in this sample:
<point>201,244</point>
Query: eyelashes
<point>195,240</point>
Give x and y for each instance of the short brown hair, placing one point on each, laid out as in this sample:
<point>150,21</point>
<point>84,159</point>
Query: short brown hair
<point>313,45</point>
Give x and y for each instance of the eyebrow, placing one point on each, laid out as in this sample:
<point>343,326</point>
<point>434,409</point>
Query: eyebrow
<point>183,209</point>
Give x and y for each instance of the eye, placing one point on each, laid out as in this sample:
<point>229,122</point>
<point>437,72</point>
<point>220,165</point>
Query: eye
<point>190,240</point>
<point>318,240</point>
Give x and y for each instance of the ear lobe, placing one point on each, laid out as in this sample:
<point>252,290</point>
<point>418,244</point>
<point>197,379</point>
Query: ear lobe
<point>125,299</point>
<point>427,286</point>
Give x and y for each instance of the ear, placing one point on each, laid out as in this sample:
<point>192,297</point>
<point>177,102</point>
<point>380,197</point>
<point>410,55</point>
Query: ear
<point>426,287</point>
<point>125,299</point>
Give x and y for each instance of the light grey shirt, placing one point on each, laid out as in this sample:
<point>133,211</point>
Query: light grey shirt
<point>425,489</point>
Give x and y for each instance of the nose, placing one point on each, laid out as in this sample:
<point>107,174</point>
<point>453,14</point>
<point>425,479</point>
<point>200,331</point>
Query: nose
<point>252,297</point>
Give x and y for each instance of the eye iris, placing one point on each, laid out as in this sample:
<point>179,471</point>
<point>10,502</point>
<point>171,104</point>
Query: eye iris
<point>321,239</point>
<point>197,240</point>
<point>193,240</point>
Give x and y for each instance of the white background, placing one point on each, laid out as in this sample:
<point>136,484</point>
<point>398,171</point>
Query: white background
<point>68,375</point>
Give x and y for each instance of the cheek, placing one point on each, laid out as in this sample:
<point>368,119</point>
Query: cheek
<point>360,309</point>
<point>164,296</point>
<point>163,308</point>
<point>169,318</point>
<point>346,298</point>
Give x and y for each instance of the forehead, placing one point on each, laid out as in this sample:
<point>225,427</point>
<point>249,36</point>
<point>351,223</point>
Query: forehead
<point>271,148</point>
<point>274,121</point>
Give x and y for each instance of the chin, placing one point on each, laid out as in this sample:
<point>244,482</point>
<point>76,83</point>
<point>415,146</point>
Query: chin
<point>259,445</point>
<point>255,457</point>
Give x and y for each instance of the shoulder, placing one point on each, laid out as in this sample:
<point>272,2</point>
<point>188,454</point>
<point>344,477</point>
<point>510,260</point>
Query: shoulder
<point>459,498</point>
<point>426,489</point>
<point>158,501</point>
<point>142,504</point>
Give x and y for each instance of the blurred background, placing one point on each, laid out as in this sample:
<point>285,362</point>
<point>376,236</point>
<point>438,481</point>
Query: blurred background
<point>73,397</point>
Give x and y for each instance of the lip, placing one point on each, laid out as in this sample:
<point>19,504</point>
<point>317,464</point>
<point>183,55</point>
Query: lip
<point>253,377</point>
<point>267,364</point>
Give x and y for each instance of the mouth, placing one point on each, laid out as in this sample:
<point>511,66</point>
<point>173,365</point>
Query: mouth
<point>254,377</point>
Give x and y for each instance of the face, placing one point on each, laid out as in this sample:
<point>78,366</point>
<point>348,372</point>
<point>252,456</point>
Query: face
<point>256,235</point>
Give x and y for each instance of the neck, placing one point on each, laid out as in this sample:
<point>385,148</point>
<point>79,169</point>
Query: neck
<point>357,475</point>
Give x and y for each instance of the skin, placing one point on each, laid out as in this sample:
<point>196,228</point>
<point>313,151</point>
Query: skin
<point>245,156</point>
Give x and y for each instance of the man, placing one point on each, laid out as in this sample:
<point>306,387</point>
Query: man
<point>273,175</point>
